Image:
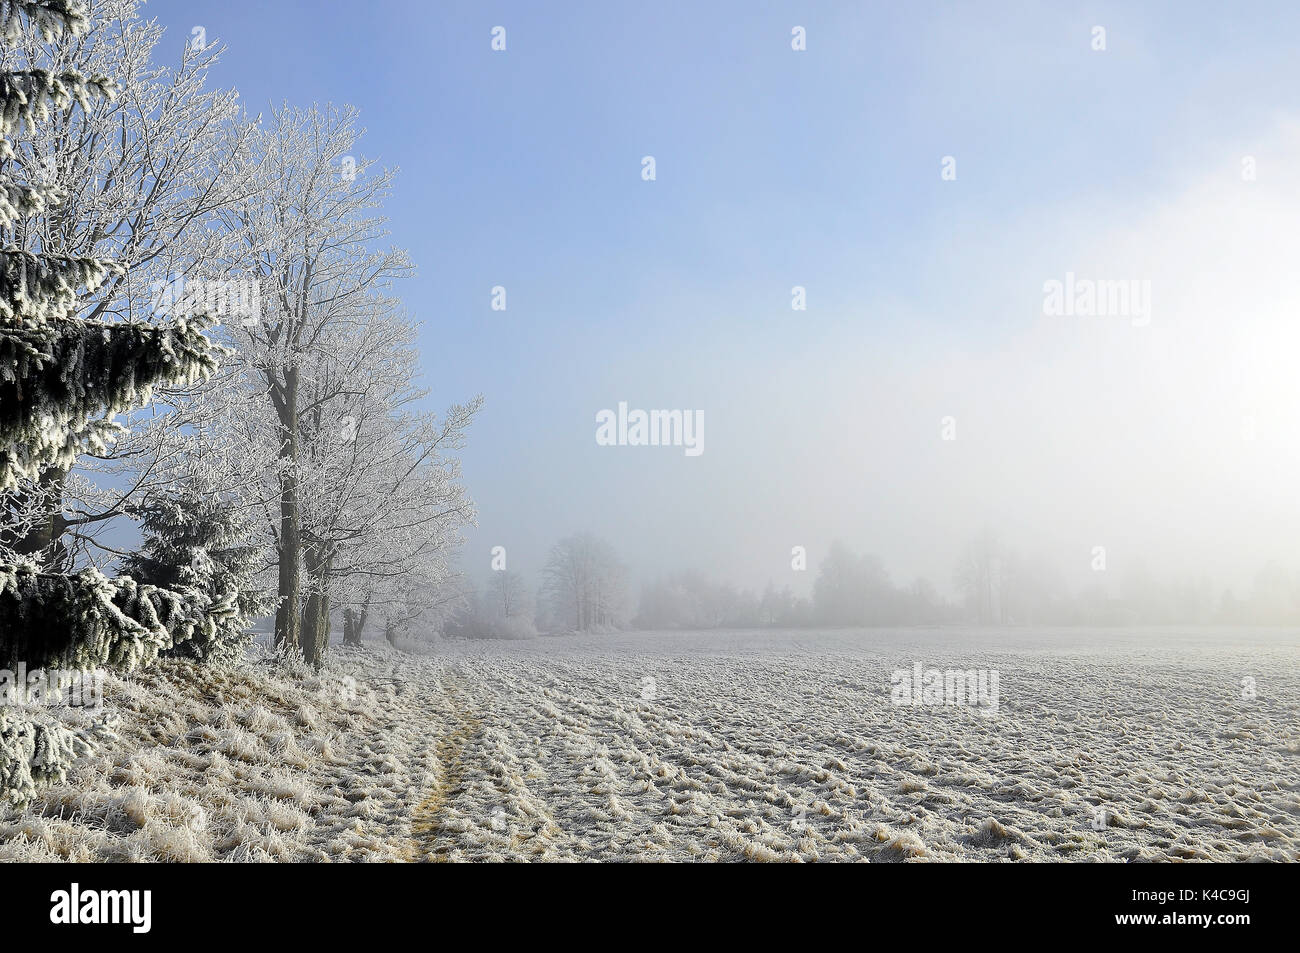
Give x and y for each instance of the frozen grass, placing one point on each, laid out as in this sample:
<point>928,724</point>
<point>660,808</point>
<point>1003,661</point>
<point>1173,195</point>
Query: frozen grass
<point>244,762</point>
<point>763,746</point>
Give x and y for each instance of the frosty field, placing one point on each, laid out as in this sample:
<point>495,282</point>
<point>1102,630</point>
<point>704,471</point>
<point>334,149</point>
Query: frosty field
<point>1106,746</point>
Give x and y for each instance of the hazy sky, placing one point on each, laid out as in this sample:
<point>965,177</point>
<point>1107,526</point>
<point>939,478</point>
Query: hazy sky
<point>925,297</point>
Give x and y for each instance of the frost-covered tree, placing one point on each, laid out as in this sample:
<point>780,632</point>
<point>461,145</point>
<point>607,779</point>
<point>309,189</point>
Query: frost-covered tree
<point>509,594</point>
<point>853,589</point>
<point>136,175</point>
<point>414,604</point>
<point>202,539</point>
<point>403,602</point>
<point>385,507</point>
<point>64,375</point>
<point>584,584</point>
<point>691,600</point>
<point>381,501</point>
<point>502,609</point>
<point>310,231</point>
<point>981,576</point>
<point>366,488</point>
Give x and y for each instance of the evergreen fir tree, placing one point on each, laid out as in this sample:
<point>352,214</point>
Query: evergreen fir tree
<point>196,540</point>
<point>63,378</point>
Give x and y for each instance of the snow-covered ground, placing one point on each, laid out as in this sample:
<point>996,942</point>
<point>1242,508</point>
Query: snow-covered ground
<point>1110,745</point>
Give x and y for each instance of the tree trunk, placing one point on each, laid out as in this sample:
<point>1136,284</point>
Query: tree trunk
<point>287,633</point>
<point>316,627</point>
<point>315,633</point>
<point>390,633</point>
<point>354,623</point>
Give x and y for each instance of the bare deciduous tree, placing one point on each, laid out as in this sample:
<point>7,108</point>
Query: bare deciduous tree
<point>310,232</point>
<point>585,584</point>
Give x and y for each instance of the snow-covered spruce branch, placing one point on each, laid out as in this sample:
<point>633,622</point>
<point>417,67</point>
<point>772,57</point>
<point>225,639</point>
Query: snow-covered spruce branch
<point>60,383</point>
<point>87,620</point>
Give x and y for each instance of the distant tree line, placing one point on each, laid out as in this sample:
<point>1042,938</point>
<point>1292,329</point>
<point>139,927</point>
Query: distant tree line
<point>850,590</point>
<point>995,586</point>
<point>584,589</point>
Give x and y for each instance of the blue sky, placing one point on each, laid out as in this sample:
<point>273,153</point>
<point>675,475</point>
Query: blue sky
<point>778,168</point>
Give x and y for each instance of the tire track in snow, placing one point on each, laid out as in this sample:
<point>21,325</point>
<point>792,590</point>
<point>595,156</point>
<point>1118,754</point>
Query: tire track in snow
<point>431,841</point>
<point>485,805</point>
